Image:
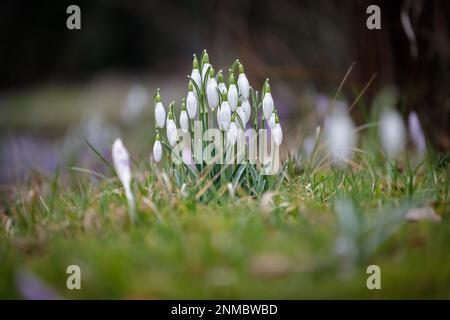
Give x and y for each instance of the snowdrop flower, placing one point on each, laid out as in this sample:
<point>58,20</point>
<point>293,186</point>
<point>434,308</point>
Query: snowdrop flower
<point>157,148</point>
<point>416,133</point>
<point>172,134</point>
<point>340,136</point>
<point>277,133</point>
<point>160,112</point>
<point>211,91</point>
<point>195,74</point>
<point>205,63</point>
<point>232,132</point>
<point>184,119</point>
<point>191,102</point>
<point>186,154</point>
<point>225,113</point>
<point>121,161</point>
<point>222,87</point>
<point>271,121</point>
<point>137,98</point>
<point>241,113</point>
<point>392,133</point>
<point>247,109</point>
<point>244,86</point>
<point>232,94</point>
<point>267,101</point>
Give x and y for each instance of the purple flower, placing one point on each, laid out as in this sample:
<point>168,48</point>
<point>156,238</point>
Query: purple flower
<point>31,287</point>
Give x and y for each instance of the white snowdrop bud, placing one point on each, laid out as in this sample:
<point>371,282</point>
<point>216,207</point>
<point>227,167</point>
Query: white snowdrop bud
<point>195,74</point>
<point>392,133</point>
<point>241,113</point>
<point>222,86</point>
<point>271,121</point>
<point>121,161</point>
<point>191,102</point>
<point>267,102</point>
<point>232,94</point>
<point>244,86</point>
<point>211,91</point>
<point>205,63</point>
<point>416,133</point>
<point>232,132</point>
<point>157,148</point>
<point>247,109</point>
<point>340,136</point>
<point>160,112</point>
<point>184,118</point>
<point>172,134</point>
<point>277,132</point>
<point>225,113</point>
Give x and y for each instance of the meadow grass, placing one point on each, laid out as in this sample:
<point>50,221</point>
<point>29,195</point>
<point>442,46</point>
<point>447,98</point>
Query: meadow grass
<point>203,241</point>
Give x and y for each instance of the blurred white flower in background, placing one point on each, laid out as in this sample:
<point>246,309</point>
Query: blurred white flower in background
<point>391,131</point>
<point>135,102</point>
<point>340,136</point>
<point>416,134</point>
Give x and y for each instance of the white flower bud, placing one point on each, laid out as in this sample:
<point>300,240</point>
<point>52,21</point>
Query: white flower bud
<point>277,134</point>
<point>211,92</point>
<point>241,113</point>
<point>184,121</point>
<point>219,119</point>
<point>191,103</point>
<point>244,86</point>
<point>232,94</point>
<point>172,134</point>
<point>157,149</point>
<point>267,103</point>
<point>247,109</point>
<point>271,121</point>
<point>225,114</point>
<point>160,112</point>
<point>232,133</point>
<point>195,74</point>
<point>392,133</point>
<point>340,136</point>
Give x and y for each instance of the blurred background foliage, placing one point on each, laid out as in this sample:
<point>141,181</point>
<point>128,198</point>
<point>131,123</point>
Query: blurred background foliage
<point>55,81</point>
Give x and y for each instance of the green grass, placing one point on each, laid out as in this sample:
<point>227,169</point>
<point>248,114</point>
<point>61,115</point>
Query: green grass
<point>278,245</point>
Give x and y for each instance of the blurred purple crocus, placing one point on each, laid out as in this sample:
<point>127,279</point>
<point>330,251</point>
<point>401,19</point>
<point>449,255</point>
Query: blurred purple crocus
<point>416,133</point>
<point>31,287</point>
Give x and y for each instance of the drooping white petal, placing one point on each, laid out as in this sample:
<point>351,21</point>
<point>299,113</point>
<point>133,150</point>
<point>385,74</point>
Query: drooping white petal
<point>391,131</point>
<point>212,94</point>
<point>195,75</point>
<point>247,109</point>
<point>186,154</point>
<point>160,115</point>
<point>244,86</point>
<point>121,161</point>
<point>233,97</point>
<point>416,133</point>
<point>241,113</point>
<point>277,134</point>
<point>271,121</point>
<point>204,69</point>
<point>157,151</point>
<point>191,104</point>
<point>222,87</point>
<point>219,118</point>
<point>232,134</point>
<point>267,105</point>
<point>172,134</point>
<point>184,121</point>
<point>340,136</point>
<point>225,115</point>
